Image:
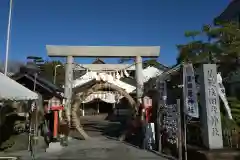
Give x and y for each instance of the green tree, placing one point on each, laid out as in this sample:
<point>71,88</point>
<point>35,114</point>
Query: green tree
<point>215,44</point>
<point>235,109</point>
<point>197,51</point>
<point>218,44</point>
<point>48,69</point>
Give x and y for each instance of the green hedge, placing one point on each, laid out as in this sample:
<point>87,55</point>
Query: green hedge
<point>234,104</point>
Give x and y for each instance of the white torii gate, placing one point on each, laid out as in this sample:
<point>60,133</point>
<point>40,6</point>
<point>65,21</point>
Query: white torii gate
<point>101,51</point>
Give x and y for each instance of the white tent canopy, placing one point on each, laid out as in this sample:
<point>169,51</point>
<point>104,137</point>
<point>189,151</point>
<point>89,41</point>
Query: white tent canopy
<point>151,72</point>
<point>11,90</point>
<point>148,73</point>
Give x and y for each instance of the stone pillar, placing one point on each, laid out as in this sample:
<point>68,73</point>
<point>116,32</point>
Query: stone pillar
<point>210,108</point>
<point>68,85</point>
<point>139,83</point>
<point>139,78</point>
<point>139,92</point>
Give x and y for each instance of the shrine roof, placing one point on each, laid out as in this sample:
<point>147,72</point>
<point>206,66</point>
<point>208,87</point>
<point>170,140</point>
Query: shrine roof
<point>98,61</point>
<point>42,84</point>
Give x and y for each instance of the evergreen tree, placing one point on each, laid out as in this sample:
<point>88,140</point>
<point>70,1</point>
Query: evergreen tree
<point>48,69</point>
<point>216,44</point>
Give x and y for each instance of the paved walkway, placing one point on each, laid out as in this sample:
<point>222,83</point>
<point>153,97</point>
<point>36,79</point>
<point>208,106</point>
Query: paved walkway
<point>98,148</point>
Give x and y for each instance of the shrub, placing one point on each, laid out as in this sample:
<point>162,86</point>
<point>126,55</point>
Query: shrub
<point>234,104</point>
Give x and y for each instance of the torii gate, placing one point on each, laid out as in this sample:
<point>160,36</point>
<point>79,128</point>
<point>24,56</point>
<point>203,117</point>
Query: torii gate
<point>105,52</point>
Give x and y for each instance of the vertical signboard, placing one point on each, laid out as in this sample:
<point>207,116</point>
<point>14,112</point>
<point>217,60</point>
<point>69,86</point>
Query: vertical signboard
<point>162,88</point>
<point>212,129</point>
<point>190,91</point>
<point>171,126</point>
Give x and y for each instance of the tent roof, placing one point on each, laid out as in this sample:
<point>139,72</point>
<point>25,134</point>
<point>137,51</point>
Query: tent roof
<point>98,61</point>
<point>11,90</point>
<point>150,72</point>
<point>127,83</point>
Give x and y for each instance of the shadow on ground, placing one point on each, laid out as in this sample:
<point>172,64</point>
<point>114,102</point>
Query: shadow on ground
<point>110,127</point>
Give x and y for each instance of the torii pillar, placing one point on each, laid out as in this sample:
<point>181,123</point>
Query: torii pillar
<point>139,79</point>
<point>103,52</point>
<point>68,84</point>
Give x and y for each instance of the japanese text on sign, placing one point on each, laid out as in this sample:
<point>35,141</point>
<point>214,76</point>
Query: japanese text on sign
<point>162,90</point>
<point>212,100</point>
<point>190,91</point>
<point>170,118</point>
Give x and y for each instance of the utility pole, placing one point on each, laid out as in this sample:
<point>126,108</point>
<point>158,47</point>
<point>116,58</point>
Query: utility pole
<point>8,36</point>
<point>55,73</point>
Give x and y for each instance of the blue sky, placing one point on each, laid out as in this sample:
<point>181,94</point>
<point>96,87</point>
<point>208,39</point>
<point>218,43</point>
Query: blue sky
<point>36,23</point>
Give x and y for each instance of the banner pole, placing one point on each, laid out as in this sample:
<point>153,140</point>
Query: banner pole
<point>179,125</point>
<point>184,114</point>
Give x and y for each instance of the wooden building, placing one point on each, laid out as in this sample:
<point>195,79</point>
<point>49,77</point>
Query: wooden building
<point>44,87</point>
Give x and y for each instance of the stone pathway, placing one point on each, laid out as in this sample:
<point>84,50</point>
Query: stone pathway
<point>99,148</point>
